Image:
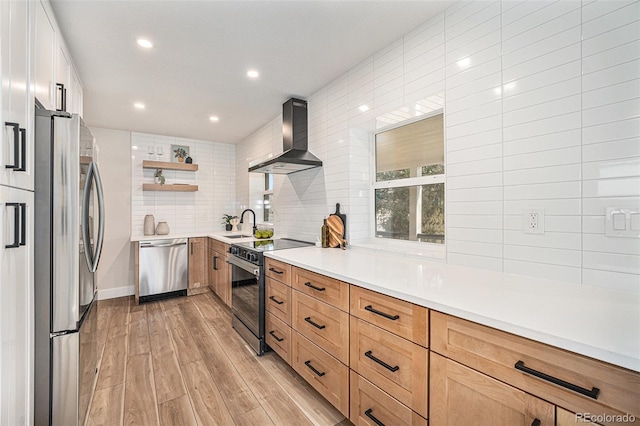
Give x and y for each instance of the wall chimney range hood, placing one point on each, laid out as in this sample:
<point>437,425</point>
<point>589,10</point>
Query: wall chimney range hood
<point>295,157</point>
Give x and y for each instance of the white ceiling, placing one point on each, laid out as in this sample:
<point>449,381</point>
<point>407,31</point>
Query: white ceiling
<point>203,50</point>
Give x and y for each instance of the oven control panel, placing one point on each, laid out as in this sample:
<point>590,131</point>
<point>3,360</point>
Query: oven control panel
<point>246,254</point>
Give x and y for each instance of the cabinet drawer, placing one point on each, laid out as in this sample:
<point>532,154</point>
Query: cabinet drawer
<point>278,300</point>
<point>497,353</point>
<point>325,373</point>
<point>218,246</point>
<point>397,316</point>
<point>462,396</point>
<point>369,401</point>
<point>326,326</point>
<point>278,270</point>
<point>278,336</point>
<point>327,289</point>
<point>396,365</point>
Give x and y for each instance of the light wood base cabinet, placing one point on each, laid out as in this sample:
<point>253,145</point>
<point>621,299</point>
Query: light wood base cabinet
<point>278,300</point>
<point>197,262</point>
<point>370,405</point>
<point>394,364</point>
<point>326,374</point>
<point>278,336</point>
<point>567,418</point>
<point>461,396</point>
<point>219,270</point>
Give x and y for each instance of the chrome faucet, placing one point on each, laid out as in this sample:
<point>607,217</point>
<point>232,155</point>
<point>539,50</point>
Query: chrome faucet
<point>255,228</point>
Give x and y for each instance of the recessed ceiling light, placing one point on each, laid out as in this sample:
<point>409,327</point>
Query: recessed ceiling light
<point>253,74</point>
<point>143,42</point>
<point>214,118</point>
<point>139,105</point>
<point>363,108</point>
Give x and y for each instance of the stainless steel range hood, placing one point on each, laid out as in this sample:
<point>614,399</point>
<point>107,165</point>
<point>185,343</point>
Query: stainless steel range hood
<point>295,157</point>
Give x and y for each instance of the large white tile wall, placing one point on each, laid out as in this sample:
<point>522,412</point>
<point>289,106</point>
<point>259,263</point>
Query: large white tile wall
<point>185,212</point>
<point>542,111</point>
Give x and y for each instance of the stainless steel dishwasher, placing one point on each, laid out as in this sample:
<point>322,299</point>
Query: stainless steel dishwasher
<point>164,269</point>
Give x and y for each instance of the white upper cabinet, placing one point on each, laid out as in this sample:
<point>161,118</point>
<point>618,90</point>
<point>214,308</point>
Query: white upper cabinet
<point>45,57</point>
<point>16,137</point>
<point>57,83</point>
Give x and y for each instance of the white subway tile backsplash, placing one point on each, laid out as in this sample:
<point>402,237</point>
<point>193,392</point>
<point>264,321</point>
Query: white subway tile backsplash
<point>545,115</point>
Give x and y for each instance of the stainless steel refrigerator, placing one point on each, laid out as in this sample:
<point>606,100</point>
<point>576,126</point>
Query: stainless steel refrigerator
<point>69,231</point>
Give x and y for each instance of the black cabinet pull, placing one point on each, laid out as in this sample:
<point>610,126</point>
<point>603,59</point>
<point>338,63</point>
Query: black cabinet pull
<point>536,422</point>
<point>63,97</point>
<point>373,418</point>
<point>215,263</point>
<point>23,224</point>
<point>382,314</point>
<point>16,225</point>
<point>319,373</point>
<point>191,248</point>
<point>308,319</point>
<point>16,145</point>
<point>279,302</point>
<point>276,337</point>
<point>593,393</point>
<point>23,145</point>
<point>382,363</point>
<point>276,271</point>
<point>308,284</point>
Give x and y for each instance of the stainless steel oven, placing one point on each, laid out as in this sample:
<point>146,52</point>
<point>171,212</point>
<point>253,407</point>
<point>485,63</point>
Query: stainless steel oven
<point>248,287</point>
<point>247,301</point>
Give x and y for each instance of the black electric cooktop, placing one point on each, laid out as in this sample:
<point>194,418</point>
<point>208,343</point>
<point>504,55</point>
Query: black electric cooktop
<point>269,245</point>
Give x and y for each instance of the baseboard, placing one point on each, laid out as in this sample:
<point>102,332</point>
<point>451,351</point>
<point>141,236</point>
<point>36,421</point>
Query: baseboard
<point>112,293</point>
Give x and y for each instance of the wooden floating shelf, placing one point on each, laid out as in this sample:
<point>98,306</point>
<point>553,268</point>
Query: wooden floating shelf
<point>174,188</point>
<point>165,165</point>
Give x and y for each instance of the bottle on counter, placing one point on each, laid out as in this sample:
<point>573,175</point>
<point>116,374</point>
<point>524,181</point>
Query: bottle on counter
<point>325,234</point>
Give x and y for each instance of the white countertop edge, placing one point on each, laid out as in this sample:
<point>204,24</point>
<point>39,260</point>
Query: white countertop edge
<point>568,344</point>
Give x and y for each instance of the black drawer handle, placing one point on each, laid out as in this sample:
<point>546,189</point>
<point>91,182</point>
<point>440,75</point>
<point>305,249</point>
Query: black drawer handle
<point>308,284</point>
<point>536,422</point>
<point>308,319</point>
<point>593,393</point>
<point>319,373</point>
<point>276,271</point>
<point>16,225</point>
<point>382,314</point>
<point>373,418</point>
<point>215,263</point>
<point>16,145</point>
<point>382,363</point>
<point>276,337</point>
<point>63,97</point>
<point>279,302</point>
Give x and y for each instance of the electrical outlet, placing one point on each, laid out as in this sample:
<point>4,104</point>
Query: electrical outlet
<point>533,221</point>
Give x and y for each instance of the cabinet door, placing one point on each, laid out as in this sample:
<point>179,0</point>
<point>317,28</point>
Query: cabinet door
<point>63,79</point>
<point>16,137</point>
<point>16,306</point>
<point>75,94</point>
<point>197,262</point>
<point>225,279</point>
<point>460,396</point>
<point>45,42</point>
<point>567,418</point>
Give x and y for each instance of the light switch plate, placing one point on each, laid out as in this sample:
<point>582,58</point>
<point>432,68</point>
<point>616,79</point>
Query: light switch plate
<point>622,222</point>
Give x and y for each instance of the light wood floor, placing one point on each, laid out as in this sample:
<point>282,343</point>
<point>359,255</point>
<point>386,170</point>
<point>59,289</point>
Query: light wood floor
<point>178,362</point>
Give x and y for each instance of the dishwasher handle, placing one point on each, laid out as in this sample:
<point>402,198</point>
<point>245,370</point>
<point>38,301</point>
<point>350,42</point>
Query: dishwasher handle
<point>151,245</point>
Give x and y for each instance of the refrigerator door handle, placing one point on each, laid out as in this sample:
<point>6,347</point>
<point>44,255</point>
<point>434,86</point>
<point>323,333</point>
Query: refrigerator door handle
<point>86,236</point>
<point>100,241</point>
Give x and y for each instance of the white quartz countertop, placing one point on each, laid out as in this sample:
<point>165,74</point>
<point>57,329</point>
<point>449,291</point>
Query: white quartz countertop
<point>223,236</point>
<point>600,323</point>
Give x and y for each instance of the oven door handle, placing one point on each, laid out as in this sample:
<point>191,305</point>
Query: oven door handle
<point>243,264</point>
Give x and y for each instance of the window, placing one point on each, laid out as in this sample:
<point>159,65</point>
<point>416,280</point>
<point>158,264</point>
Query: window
<point>409,181</point>
<point>267,198</point>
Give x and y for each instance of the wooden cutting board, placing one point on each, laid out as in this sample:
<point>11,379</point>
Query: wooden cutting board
<point>336,231</point>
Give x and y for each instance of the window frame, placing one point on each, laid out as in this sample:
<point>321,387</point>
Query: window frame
<point>426,248</point>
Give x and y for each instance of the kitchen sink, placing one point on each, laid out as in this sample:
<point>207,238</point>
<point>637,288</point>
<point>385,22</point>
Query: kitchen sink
<point>237,236</point>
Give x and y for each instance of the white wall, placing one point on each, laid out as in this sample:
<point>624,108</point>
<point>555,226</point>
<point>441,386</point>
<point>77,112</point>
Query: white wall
<point>542,113</point>
<point>185,212</point>
<point>115,276</point>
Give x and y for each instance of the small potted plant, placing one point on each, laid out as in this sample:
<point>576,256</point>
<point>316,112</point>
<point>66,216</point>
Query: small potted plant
<point>158,177</point>
<point>226,221</point>
<point>180,153</point>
